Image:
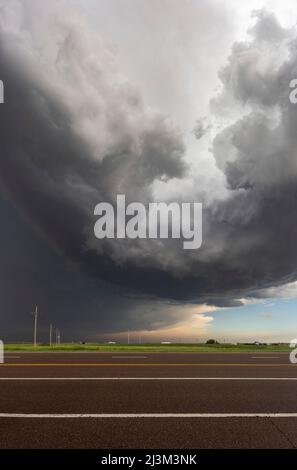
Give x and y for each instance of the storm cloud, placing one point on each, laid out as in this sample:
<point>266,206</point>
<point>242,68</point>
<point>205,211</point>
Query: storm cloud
<point>74,131</point>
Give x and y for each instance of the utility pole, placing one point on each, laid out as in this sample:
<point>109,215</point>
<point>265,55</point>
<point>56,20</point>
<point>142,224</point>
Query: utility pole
<point>35,325</point>
<point>128,337</point>
<point>58,336</point>
<point>50,334</point>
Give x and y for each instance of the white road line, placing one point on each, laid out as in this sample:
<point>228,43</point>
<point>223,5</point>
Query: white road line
<point>145,415</point>
<point>265,357</point>
<point>147,378</point>
<point>129,357</point>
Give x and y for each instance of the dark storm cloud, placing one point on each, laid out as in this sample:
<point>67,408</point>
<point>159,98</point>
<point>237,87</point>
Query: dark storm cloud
<point>74,133</point>
<point>81,307</point>
<point>57,165</point>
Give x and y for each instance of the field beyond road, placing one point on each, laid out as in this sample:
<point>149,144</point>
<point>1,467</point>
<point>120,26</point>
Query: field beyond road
<point>150,347</point>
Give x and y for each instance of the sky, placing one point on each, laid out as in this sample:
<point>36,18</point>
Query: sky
<point>160,100</point>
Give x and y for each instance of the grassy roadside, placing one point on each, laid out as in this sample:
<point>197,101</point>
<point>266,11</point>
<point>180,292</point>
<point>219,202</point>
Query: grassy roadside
<point>150,347</point>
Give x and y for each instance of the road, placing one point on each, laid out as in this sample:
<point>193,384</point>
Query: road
<point>148,400</point>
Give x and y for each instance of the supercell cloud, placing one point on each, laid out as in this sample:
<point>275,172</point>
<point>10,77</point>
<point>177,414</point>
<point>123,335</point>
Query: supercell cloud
<point>75,131</point>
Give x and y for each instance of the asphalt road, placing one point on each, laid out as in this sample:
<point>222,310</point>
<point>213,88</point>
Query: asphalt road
<point>148,400</point>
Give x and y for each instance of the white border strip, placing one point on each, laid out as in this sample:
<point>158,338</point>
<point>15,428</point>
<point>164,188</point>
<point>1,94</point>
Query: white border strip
<point>145,415</point>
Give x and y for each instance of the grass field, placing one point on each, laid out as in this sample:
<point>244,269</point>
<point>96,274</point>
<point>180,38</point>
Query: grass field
<point>150,347</point>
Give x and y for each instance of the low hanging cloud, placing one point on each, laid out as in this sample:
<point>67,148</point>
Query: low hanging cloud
<point>75,132</point>
<point>201,127</point>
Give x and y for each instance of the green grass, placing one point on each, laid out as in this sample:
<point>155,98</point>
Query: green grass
<point>150,347</point>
